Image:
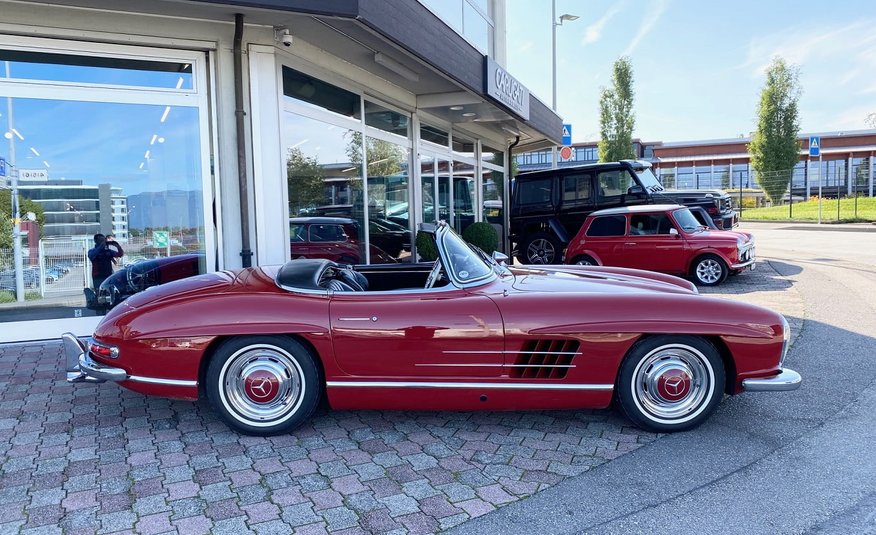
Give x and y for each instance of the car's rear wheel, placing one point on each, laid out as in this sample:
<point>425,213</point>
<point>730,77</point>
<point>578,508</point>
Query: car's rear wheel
<point>541,248</point>
<point>263,385</point>
<point>585,260</point>
<point>710,270</point>
<point>670,383</point>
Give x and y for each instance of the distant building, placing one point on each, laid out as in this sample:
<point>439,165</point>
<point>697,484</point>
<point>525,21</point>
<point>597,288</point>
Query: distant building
<point>725,163</point>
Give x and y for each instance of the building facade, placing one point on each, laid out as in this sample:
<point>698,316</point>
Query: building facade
<point>216,121</point>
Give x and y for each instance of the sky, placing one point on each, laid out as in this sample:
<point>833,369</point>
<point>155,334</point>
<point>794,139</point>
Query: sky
<point>698,65</point>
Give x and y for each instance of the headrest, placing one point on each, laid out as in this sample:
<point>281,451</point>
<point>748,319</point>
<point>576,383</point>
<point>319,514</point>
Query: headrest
<point>303,273</point>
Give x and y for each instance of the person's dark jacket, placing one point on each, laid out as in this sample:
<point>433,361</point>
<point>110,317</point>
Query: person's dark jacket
<point>101,256</point>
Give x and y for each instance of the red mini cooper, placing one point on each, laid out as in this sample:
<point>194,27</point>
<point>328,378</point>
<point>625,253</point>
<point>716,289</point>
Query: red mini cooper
<point>666,238</point>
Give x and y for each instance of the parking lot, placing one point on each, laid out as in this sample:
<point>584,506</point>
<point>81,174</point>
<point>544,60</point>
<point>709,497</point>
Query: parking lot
<point>97,458</point>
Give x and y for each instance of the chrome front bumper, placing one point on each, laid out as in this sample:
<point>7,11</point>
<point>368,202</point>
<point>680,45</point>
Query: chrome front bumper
<point>785,381</point>
<point>81,368</point>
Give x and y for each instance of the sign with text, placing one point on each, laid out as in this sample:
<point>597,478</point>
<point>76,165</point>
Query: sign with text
<point>2,167</point>
<point>506,89</point>
<point>814,145</point>
<point>41,175</point>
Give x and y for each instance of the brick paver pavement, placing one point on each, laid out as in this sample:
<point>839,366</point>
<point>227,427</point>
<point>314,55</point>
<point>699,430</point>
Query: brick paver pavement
<point>99,459</point>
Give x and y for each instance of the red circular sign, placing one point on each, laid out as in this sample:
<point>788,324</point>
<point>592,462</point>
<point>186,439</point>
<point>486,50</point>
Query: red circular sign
<point>566,153</point>
<point>673,385</point>
<point>261,386</point>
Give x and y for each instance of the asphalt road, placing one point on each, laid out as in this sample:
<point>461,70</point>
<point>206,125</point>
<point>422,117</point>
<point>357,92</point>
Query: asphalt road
<point>798,462</point>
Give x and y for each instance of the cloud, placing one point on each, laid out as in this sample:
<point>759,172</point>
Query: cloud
<point>650,20</point>
<point>808,44</point>
<point>594,32</point>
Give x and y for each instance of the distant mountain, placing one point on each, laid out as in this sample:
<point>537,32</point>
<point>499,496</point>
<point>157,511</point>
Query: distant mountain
<point>165,209</point>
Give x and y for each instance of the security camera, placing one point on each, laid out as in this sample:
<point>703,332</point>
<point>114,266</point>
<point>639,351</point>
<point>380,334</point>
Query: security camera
<point>286,38</point>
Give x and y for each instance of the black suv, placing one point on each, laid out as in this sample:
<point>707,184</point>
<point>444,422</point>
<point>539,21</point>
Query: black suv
<point>549,206</point>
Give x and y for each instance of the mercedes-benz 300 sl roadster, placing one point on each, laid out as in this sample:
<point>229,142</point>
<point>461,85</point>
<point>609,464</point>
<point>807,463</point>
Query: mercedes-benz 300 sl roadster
<point>264,345</point>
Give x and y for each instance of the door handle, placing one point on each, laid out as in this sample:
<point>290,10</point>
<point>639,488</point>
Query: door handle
<point>630,243</point>
<point>372,318</point>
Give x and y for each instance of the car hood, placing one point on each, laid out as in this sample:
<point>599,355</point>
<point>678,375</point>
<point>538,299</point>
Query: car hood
<point>728,236</point>
<point>596,279</point>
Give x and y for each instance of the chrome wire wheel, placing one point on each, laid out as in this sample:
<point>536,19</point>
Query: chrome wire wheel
<point>710,271</point>
<point>673,384</point>
<point>541,251</point>
<point>261,385</point>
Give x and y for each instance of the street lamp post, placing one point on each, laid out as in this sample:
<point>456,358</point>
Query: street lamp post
<point>16,216</point>
<point>554,23</point>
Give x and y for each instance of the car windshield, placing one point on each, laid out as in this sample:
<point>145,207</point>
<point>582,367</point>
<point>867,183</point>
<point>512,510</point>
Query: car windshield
<point>463,262</point>
<point>648,180</point>
<point>687,221</point>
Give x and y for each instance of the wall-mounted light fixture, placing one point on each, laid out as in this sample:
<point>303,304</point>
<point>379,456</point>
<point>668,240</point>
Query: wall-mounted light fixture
<point>381,59</point>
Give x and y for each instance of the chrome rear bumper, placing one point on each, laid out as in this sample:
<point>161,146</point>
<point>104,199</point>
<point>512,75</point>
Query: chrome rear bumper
<point>785,381</point>
<point>81,368</point>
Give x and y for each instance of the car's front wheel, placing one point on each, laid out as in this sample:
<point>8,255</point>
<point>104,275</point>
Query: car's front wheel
<point>263,385</point>
<point>541,248</point>
<point>710,270</point>
<point>585,260</point>
<point>670,383</point>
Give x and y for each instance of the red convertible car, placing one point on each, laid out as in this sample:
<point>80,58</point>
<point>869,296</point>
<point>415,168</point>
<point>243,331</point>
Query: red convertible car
<point>466,332</point>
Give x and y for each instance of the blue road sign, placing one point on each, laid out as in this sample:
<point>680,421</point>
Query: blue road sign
<point>814,145</point>
<point>567,134</point>
<point>2,167</point>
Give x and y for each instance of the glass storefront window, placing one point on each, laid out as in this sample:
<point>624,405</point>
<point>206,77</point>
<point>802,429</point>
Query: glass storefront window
<point>463,207</point>
<point>324,181</point>
<point>86,168</point>
<point>435,135</point>
<point>389,219</point>
<point>386,119</point>
<point>427,177</point>
<point>463,145</point>
<point>492,155</point>
<point>84,69</point>
<point>315,92</point>
<point>476,27</point>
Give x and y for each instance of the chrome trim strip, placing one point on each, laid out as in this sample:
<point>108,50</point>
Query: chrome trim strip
<point>744,264</point>
<point>785,381</point>
<point>356,319</point>
<point>157,381</point>
<point>511,352</point>
<point>505,365</point>
<point>496,386</point>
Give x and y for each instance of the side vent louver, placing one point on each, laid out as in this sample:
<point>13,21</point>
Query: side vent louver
<point>544,359</point>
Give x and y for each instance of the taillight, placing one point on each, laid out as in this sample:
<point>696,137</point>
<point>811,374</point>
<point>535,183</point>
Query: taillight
<point>713,210</point>
<point>103,350</point>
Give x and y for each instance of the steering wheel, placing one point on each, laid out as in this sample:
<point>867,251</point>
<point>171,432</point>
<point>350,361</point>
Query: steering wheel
<point>434,275</point>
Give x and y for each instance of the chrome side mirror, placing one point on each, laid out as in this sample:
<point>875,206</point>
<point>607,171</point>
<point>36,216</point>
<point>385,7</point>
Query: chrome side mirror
<point>673,232</point>
<point>500,258</point>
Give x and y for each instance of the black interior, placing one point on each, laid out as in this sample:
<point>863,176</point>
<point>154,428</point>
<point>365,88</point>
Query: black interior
<point>320,274</point>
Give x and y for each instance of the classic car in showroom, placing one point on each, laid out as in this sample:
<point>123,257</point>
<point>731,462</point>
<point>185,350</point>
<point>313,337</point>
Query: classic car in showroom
<point>465,332</point>
<point>666,238</point>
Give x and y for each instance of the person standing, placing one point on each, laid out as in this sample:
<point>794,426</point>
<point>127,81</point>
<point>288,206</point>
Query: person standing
<point>106,249</point>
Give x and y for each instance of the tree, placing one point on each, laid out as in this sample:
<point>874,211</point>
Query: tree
<point>306,187</point>
<point>871,120</point>
<point>775,144</point>
<point>25,205</point>
<point>616,117</point>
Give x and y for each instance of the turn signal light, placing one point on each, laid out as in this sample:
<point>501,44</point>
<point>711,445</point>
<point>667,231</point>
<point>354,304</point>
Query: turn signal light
<point>103,350</point>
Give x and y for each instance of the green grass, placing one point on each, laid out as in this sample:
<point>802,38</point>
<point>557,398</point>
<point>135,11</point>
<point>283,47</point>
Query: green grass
<point>7,296</point>
<point>808,211</point>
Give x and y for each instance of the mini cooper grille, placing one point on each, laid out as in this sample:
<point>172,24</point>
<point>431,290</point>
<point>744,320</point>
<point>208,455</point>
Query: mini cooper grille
<point>545,359</point>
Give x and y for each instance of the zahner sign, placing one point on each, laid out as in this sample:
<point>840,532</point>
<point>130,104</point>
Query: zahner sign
<point>506,89</point>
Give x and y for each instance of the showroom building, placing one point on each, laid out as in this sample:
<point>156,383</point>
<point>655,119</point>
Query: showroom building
<point>215,122</point>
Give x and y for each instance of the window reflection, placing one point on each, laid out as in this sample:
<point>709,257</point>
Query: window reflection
<point>28,65</point>
<point>389,219</point>
<point>82,171</point>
